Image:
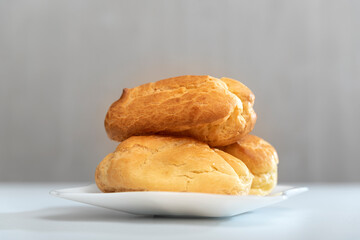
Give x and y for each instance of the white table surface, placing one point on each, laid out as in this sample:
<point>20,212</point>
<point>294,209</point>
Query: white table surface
<point>27,211</point>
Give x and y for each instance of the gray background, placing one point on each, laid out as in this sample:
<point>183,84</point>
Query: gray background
<point>62,63</point>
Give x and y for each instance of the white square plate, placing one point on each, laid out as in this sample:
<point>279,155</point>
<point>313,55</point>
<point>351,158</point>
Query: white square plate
<point>176,203</point>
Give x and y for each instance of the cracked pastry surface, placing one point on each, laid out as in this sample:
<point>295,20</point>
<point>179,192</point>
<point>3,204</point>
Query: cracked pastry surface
<point>261,159</point>
<point>161,163</point>
<point>216,111</point>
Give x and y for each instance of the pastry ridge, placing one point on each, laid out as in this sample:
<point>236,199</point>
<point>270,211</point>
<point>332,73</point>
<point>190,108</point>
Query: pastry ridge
<point>261,159</point>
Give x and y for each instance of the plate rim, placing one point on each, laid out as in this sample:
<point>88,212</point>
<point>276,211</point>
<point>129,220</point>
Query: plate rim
<point>291,191</point>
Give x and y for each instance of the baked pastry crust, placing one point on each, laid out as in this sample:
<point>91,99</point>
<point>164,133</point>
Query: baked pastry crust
<point>216,111</point>
<point>161,163</point>
<point>261,159</point>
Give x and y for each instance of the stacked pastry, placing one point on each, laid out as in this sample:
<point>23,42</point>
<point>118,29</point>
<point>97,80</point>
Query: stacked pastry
<point>187,134</point>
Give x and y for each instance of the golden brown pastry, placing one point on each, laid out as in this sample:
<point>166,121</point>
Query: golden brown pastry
<point>261,159</point>
<point>160,163</point>
<point>247,99</point>
<point>216,111</point>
